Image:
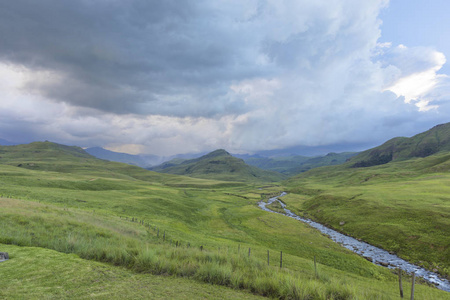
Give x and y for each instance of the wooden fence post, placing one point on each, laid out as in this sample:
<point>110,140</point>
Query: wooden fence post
<point>268,258</point>
<point>412,285</point>
<point>281,259</point>
<point>164,236</point>
<point>248,252</point>
<point>315,266</point>
<point>400,285</point>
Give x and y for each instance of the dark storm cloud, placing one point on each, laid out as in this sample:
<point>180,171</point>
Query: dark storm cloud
<point>125,56</point>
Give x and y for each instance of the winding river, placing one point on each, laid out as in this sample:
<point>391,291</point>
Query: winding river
<point>376,255</point>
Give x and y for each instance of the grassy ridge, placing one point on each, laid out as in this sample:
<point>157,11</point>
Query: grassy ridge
<point>424,144</point>
<point>402,206</point>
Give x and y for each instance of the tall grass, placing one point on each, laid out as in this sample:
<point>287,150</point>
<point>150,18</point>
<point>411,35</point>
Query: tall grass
<point>141,251</point>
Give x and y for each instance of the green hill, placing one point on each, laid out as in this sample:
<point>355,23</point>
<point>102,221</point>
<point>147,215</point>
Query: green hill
<point>279,164</point>
<point>401,148</point>
<point>52,157</point>
<point>218,165</point>
<point>395,196</point>
<point>295,164</point>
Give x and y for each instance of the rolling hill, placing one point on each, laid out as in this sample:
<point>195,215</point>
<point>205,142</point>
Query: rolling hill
<point>395,196</point>
<point>53,157</point>
<point>295,164</point>
<point>218,165</point>
<point>421,145</point>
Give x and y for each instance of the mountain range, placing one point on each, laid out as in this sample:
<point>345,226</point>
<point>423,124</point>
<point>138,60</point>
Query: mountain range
<point>222,165</point>
<point>285,164</point>
<point>219,165</point>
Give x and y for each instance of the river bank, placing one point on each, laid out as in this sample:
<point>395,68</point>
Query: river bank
<point>374,254</point>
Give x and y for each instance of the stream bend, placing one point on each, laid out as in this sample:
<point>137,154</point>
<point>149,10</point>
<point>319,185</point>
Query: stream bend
<point>374,254</point>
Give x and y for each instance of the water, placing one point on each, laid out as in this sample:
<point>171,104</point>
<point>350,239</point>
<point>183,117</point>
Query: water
<point>376,255</point>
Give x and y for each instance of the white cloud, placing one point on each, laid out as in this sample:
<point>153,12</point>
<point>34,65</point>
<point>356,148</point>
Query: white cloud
<point>418,74</point>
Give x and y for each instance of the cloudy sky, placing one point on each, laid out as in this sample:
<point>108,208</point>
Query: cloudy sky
<point>186,76</point>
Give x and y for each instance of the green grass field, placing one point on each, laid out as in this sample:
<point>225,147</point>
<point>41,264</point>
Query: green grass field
<point>38,273</point>
<point>139,224</point>
<point>403,206</point>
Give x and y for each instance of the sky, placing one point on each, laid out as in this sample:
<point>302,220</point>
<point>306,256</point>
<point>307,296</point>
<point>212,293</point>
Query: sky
<point>189,76</point>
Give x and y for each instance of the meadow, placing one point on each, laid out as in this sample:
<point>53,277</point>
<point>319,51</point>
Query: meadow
<point>403,206</point>
<point>143,223</point>
<point>39,273</point>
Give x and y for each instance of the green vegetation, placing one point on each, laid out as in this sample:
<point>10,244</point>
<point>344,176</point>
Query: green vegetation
<point>219,165</point>
<point>402,206</point>
<point>38,273</point>
<point>142,224</point>
<point>279,164</point>
<point>421,145</point>
<point>295,164</point>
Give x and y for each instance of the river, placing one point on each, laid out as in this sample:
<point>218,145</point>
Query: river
<point>376,255</point>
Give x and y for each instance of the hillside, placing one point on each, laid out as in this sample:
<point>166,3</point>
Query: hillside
<point>402,205</point>
<point>280,164</point>
<point>218,165</point>
<point>48,156</point>
<point>295,164</point>
<point>421,145</point>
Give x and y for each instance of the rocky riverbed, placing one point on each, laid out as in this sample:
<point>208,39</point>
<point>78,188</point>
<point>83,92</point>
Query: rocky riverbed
<point>374,254</point>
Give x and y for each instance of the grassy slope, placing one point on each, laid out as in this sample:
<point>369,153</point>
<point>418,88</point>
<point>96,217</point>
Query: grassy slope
<point>72,213</point>
<point>291,165</point>
<point>421,145</point>
<point>402,206</point>
<point>220,165</point>
<point>278,164</point>
<point>47,156</point>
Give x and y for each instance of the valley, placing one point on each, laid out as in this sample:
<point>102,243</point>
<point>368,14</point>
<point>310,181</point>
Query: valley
<point>143,226</point>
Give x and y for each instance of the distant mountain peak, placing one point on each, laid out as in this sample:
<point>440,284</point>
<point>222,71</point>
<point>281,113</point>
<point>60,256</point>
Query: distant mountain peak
<point>215,153</point>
